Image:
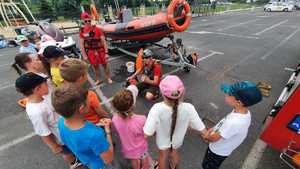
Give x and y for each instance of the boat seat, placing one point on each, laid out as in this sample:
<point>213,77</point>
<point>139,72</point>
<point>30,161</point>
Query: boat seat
<point>120,26</point>
<point>127,15</point>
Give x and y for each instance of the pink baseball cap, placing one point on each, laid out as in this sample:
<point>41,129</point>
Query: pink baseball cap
<point>85,15</point>
<point>172,87</point>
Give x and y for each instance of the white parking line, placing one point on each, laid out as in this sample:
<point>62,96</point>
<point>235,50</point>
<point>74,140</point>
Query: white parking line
<point>7,86</point>
<point>255,155</point>
<point>225,34</point>
<point>4,65</point>
<point>271,27</point>
<point>16,141</point>
<point>279,45</point>
<point>207,24</point>
<point>237,25</point>
<point>214,105</point>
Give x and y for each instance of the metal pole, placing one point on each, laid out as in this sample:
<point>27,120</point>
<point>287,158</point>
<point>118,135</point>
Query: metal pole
<point>10,8</point>
<point>2,13</point>
<point>18,9</point>
<point>5,13</point>
<point>28,10</point>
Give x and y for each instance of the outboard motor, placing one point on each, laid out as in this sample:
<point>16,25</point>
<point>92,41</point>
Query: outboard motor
<point>51,30</point>
<point>66,43</point>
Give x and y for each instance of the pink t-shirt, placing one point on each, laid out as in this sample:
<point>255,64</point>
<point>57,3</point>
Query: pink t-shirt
<point>131,134</point>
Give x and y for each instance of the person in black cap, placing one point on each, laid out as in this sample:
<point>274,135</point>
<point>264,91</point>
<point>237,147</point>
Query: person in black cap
<point>42,115</point>
<point>52,57</point>
<point>147,77</point>
<point>232,130</point>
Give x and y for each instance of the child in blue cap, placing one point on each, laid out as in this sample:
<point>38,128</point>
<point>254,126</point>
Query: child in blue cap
<point>232,130</point>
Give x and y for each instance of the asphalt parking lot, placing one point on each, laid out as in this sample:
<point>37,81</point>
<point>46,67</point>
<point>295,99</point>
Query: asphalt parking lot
<point>248,45</point>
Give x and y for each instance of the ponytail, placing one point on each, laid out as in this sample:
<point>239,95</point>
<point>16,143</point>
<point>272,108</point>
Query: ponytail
<point>125,114</point>
<point>20,60</point>
<point>46,64</point>
<point>174,117</point>
<point>17,68</point>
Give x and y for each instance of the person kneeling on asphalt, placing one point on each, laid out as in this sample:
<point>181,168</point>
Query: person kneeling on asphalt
<point>147,77</point>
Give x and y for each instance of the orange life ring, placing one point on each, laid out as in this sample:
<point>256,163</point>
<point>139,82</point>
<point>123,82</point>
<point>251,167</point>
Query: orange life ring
<point>23,102</point>
<point>172,20</point>
<point>94,12</point>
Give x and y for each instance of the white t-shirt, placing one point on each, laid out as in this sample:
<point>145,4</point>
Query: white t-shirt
<point>160,118</point>
<point>234,129</point>
<point>43,118</point>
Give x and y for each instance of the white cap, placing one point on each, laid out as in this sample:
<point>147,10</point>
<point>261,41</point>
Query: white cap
<point>135,91</point>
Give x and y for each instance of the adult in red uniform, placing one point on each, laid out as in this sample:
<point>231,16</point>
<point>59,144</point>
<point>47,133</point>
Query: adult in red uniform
<point>94,48</point>
<point>147,77</point>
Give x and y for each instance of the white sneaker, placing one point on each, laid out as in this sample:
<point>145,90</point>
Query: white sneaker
<point>76,164</point>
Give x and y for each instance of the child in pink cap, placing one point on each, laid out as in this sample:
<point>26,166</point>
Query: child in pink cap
<point>170,120</point>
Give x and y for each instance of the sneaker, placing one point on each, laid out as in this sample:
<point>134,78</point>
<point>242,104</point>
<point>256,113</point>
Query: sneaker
<point>75,164</point>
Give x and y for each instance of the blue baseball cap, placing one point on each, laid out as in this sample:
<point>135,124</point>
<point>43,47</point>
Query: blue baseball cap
<point>244,91</point>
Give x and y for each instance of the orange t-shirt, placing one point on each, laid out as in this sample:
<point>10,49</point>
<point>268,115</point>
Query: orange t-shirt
<point>93,103</point>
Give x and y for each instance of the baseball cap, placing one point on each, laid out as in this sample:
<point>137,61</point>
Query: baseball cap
<point>21,38</point>
<point>28,81</point>
<point>244,91</point>
<point>85,15</point>
<point>172,87</point>
<point>135,91</point>
<point>147,53</point>
<point>53,52</point>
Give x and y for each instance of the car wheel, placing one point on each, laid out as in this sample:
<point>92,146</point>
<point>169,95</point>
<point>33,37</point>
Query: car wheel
<point>269,10</point>
<point>285,10</point>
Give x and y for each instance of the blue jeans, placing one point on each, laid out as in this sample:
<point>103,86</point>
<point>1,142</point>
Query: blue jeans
<point>212,160</point>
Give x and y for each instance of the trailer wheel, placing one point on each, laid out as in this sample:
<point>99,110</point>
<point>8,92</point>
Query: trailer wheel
<point>187,69</point>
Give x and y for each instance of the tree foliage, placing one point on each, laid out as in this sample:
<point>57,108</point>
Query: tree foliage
<point>46,10</point>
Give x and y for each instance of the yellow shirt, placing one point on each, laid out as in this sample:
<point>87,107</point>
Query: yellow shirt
<point>56,77</point>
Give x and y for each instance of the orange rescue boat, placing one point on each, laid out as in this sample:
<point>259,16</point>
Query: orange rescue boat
<point>153,28</point>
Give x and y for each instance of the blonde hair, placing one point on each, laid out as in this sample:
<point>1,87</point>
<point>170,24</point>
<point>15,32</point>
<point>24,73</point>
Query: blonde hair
<point>72,69</point>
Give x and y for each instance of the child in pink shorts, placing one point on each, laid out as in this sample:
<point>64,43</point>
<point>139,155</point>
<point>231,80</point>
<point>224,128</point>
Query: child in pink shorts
<point>129,127</point>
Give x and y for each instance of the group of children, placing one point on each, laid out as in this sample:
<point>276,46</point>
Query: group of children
<point>68,116</point>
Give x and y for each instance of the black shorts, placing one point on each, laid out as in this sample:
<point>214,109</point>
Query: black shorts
<point>212,160</point>
<point>144,88</point>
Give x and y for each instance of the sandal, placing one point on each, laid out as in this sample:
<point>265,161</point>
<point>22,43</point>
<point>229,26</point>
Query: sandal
<point>171,167</point>
<point>98,82</point>
<point>155,165</point>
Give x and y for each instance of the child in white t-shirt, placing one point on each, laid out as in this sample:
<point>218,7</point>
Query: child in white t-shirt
<point>232,130</point>
<point>170,120</point>
<point>42,115</point>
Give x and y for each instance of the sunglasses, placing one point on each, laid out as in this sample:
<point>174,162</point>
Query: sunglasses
<point>87,21</point>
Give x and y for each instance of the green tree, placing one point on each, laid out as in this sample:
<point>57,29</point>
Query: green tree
<point>46,10</point>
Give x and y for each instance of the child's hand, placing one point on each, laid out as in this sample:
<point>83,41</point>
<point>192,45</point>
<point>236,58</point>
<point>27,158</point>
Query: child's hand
<point>107,127</point>
<point>104,121</point>
<point>57,149</point>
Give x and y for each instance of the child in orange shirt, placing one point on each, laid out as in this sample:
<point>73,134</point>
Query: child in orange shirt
<point>75,71</point>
